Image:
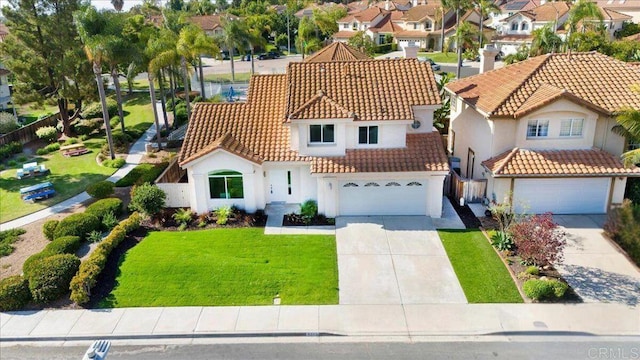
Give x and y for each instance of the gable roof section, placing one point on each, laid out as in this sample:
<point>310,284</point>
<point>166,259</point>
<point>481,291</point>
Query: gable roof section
<point>228,143</point>
<point>387,25</point>
<point>610,14</point>
<point>320,107</point>
<point>557,163</point>
<point>579,75</point>
<point>423,153</point>
<point>206,22</point>
<point>420,12</point>
<point>544,13</point>
<point>370,89</point>
<point>338,51</point>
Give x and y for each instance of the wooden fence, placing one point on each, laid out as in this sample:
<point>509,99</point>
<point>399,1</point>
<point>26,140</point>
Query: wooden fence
<point>472,190</point>
<point>27,133</point>
<point>172,174</point>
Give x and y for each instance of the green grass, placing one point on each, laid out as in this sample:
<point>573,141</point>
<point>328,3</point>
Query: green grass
<point>226,267</point>
<point>32,112</point>
<point>226,78</point>
<point>142,173</point>
<point>70,176</point>
<point>483,276</point>
<point>449,57</point>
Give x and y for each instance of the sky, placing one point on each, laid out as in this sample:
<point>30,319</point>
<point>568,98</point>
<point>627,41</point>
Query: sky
<point>100,4</point>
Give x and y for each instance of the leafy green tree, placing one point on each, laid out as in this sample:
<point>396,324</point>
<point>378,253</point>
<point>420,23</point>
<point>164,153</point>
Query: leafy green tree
<point>580,12</point>
<point>363,42</point>
<point>629,127</point>
<point>306,32</point>
<point>201,7</point>
<point>590,41</point>
<point>520,55</point>
<point>484,8</point>
<point>234,35</point>
<point>460,6</point>
<point>45,55</point>
<point>628,29</point>
<point>544,41</point>
<point>464,38</point>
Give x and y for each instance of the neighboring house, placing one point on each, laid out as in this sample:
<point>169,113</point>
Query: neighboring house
<point>509,8</point>
<point>356,136</point>
<point>5,91</point>
<point>627,7</point>
<point>612,20</point>
<point>210,24</point>
<point>361,21</point>
<point>544,135</point>
<point>516,30</point>
<point>421,26</point>
<point>337,52</point>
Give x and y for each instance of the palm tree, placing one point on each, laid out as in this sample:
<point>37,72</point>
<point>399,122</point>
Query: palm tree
<point>192,43</point>
<point>629,127</point>
<point>582,10</point>
<point>485,7</point>
<point>464,37</point>
<point>117,4</point>
<point>257,25</point>
<point>162,54</point>
<point>459,6</point>
<point>544,41</point>
<point>89,24</point>
<point>234,34</point>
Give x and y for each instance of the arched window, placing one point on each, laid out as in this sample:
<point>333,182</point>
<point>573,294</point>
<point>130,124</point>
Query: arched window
<point>393,183</point>
<point>371,184</point>
<point>414,183</point>
<point>226,184</point>
<point>514,26</point>
<point>350,185</point>
<point>524,26</point>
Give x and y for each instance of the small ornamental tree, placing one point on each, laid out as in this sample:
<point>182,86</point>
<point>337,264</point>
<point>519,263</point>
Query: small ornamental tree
<point>147,199</point>
<point>538,240</point>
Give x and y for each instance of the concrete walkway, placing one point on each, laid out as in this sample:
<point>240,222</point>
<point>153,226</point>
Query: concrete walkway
<point>594,267</point>
<point>275,214</point>
<point>135,156</point>
<point>406,322</point>
<point>393,260</point>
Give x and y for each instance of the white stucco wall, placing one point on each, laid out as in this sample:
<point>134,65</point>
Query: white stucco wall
<point>472,131</point>
<point>337,148</point>
<point>498,189</point>
<point>391,134</point>
<point>424,114</point>
<point>619,185</point>
<point>607,140</point>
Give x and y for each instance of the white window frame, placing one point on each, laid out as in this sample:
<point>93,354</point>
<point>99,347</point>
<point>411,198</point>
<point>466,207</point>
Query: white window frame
<point>539,124</point>
<point>322,128</point>
<point>368,140</point>
<point>574,125</point>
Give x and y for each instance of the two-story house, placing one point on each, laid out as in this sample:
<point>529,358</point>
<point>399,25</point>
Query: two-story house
<point>627,7</point>
<point>612,21</point>
<point>516,30</point>
<point>356,136</point>
<point>361,21</point>
<point>210,24</point>
<point>543,138</point>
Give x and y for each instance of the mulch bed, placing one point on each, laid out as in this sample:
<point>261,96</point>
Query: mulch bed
<point>467,216</point>
<point>165,221</point>
<point>298,220</point>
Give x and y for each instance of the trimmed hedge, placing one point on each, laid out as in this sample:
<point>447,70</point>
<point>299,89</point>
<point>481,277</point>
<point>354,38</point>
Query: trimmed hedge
<point>14,293</point>
<point>94,110</point>
<point>51,276</point>
<point>89,270</point>
<point>537,289</point>
<point>101,189</point>
<point>77,225</point>
<point>9,149</point>
<point>63,245</point>
<point>101,207</point>
<point>29,264</point>
<point>142,173</point>
<point>49,228</point>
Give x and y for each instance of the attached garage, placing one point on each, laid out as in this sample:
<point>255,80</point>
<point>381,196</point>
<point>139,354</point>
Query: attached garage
<point>383,197</point>
<point>562,195</point>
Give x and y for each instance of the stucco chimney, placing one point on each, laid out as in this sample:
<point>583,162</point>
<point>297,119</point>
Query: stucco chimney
<point>414,3</point>
<point>410,52</point>
<point>542,2</point>
<point>387,5</point>
<point>487,58</point>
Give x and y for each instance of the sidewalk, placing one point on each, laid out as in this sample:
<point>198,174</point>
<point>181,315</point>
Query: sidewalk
<point>409,322</point>
<point>135,156</point>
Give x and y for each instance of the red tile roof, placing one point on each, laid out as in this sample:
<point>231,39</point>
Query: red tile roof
<point>527,85</point>
<point>337,51</point>
<point>557,163</point>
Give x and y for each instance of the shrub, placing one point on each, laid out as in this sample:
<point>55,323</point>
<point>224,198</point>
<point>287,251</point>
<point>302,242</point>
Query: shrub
<point>52,147</point>
<point>114,121</point>
<point>94,236</point>
<point>109,220</point>
<point>116,163</point>
<point>180,117</point>
<point>8,237</point>
<point>142,173</point>
<point>8,123</point>
<point>48,133</point>
<point>183,216</point>
<point>102,207</point>
<point>537,240</point>
<point>28,264</point>
<point>120,143</point>
<point>87,126</point>
<point>9,149</point>
<point>51,276</point>
<point>63,245</point>
<point>83,137</point>
<point>100,189</point>
<point>533,270</point>
<point>87,275</point>
<point>632,191</point>
<point>22,159</point>
<point>78,225</point>
<point>147,199</point>
<point>623,225</point>
<point>42,151</point>
<point>502,241</point>
<point>14,293</point>
<point>49,228</point>
<point>223,213</point>
<point>544,289</point>
<point>12,163</point>
<point>71,141</point>
<point>94,110</point>
<point>308,210</point>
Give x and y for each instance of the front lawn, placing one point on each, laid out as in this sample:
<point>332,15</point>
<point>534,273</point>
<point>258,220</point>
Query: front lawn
<point>226,78</point>
<point>482,275</point>
<point>226,267</point>
<point>439,57</point>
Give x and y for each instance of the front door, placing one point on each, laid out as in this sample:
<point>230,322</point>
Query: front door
<point>278,186</point>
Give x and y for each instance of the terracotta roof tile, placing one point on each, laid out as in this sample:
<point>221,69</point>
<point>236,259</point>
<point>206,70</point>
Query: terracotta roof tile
<point>320,107</point>
<point>579,75</point>
<point>386,24</point>
<point>344,34</point>
<point>337,51</point>
<point>610,14</point>
<point>372,89</point>
<point>206,22</point>
<point>547,12</point>
<point>557,163</point>
<point>255,129</point>
<point>420,12</point>
<point>424,152</point>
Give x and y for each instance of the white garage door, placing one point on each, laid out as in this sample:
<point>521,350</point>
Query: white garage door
<point>562,196</point>
<point>383,197</point>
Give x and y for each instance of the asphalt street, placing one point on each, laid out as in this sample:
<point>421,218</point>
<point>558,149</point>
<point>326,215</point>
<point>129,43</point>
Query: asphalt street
<point>559,346</point>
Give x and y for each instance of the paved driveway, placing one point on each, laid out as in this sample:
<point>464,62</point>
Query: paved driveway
<point>594,267</point>
<point>393,260</point>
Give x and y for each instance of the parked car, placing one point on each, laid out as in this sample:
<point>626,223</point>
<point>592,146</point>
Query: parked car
<point>266,56</point>
<point>434,66</point>
<point>275,54</point>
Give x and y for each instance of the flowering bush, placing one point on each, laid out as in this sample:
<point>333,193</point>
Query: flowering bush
<point>538,240</point>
